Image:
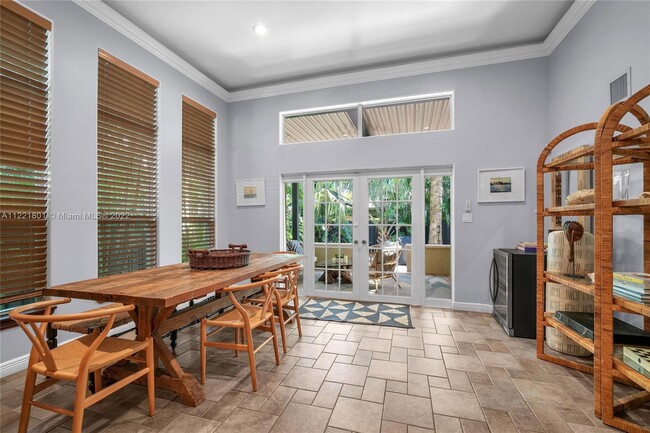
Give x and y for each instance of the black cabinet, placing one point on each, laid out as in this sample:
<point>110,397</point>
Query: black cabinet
<point>512,288</point>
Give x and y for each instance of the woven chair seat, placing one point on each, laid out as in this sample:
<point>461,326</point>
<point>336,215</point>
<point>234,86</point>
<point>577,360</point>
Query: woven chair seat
<point>68,356</point>
<point>88,326</point>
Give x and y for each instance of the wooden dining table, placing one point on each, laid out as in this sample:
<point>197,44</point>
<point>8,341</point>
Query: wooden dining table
<point>157,293</point>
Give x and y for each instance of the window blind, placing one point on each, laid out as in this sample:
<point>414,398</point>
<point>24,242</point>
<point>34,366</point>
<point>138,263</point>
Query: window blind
<point>23,152</point>
<point>127,172</point>
<point>198,176</point>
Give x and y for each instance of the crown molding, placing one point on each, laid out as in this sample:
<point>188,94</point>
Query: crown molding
<point>575,13</point>
<point>386,73</point>
<point>140,37</point>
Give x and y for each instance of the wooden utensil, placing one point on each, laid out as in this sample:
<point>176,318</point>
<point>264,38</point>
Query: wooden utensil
<point>573,231</point>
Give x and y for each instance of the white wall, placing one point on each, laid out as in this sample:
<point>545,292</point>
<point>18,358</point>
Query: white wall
<point>608,40</point>
<point>76,36</point>
<point>500,121</point>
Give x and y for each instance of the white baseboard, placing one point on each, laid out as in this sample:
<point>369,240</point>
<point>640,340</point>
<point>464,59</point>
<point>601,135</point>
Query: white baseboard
<point>12,366</point>
<point>468,306</point>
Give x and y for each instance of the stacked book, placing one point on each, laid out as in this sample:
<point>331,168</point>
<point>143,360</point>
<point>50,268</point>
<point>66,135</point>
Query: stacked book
<point>528,247</point>
<point>638,359</point>
<point>632,285</point>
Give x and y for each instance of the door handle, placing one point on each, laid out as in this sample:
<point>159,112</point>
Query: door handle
<point>356,242</point>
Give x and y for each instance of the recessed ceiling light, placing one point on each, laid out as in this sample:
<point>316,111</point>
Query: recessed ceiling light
<point>260,29</point>
<point>426,128</point>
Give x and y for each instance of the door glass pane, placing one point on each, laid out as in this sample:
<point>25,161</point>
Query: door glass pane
<point>389,219</point>
<point>333,235</point>
<point>437,251</point>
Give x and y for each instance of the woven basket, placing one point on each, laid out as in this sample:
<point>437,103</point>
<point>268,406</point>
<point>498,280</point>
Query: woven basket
<point>235,257</point>
<point>561,297</point>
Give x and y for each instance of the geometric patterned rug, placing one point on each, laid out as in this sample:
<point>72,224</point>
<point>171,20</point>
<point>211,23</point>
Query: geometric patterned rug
<point>364,313</point>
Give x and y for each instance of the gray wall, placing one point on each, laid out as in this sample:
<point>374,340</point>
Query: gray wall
<point>609,39</point>
<point>76,36</point>
<point>500,121</point>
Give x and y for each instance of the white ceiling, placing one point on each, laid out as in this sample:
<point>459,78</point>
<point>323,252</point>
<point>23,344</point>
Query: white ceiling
<point>309,39</point>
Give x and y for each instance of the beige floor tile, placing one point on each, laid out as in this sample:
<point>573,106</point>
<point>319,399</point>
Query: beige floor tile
<point>408,409</point>
<point>432,351</point>
<point>399,354</point>
<point>463,362</point>
<point>306,350</point>
<point>474,426</point>
<point>579,428</point>
<point>327,395</point>
<point>456,403</point>
<point>393,427</point>
<point>192,424</point>
<point>540,392</point>
<point>550,418</point>
<point>374,390</point>
<point>375,344</point>
<point>414,429</point>
<point>344,359</point>
<point>418,385</point>
<point>337,328</point>
<point>350,374</point>
<point>439,339</point>
<point>407,342</point>
<point>363,357</point>
<point>311,331</point>
<point>388,370</point>
<point>499,397</point>
<point>395,386</point>
<point>341,347</point>
<point>468,337</point>
<point>356,415</point>
<point>325,361</point>
<point>224,407</point>
<point>247,421</point>
<point>497,359</point>
<point>277,401</point>
<point>301,418</point>
<point>447,424</point>
<point>304,396</point>
<point>439,382</point>
<point>499,421</point>
<point>427,366</point>
<point>352,391</point>
<point>305,378</point>
<point>266,383</point>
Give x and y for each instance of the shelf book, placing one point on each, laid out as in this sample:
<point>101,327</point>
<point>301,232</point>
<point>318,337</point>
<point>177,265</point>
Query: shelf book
<point>638,359</point>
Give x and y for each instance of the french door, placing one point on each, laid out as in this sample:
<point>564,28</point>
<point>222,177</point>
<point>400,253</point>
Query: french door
<point>361,230</point>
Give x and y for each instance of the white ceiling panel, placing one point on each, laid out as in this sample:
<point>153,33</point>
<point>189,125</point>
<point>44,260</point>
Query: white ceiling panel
<point>308,39</point>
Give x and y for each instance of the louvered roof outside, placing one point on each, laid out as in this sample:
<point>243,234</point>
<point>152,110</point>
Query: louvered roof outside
<point>419,116</point>
<point>337,125</point>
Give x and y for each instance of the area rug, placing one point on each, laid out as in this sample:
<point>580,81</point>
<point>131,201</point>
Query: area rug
<point>363,313</point>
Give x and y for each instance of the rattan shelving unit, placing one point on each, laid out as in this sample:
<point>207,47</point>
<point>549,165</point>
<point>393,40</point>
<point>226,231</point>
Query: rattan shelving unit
<point>611,143</point>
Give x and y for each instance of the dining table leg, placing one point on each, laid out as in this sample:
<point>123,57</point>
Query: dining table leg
<point>171,376</point>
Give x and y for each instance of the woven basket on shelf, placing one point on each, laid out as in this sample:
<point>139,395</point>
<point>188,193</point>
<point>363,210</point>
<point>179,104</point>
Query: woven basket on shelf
<point>234,257</point>
<point>561,297</point>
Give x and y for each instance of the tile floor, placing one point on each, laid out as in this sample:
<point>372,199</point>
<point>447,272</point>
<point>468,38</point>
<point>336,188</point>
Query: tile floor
<point>455,372</point>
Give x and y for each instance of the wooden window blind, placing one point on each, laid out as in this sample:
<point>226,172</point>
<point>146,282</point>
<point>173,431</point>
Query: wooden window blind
<point>24,91</point>
<point>198,181</point>
<point>127,159</point>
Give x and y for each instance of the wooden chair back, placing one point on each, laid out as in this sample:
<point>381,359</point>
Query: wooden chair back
<point>35,325</point>
<point>267,285</point>
<point>385,260</point>
<point>289,274</point>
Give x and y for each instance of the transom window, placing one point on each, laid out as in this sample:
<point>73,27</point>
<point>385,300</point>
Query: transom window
<point>367,119</point>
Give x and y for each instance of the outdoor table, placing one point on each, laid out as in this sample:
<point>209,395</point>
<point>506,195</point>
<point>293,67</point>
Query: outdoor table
<point>157,292</point>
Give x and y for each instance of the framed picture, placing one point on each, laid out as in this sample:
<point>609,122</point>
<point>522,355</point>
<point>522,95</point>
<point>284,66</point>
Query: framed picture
<point>501,185</point>
<point>250,192</point>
